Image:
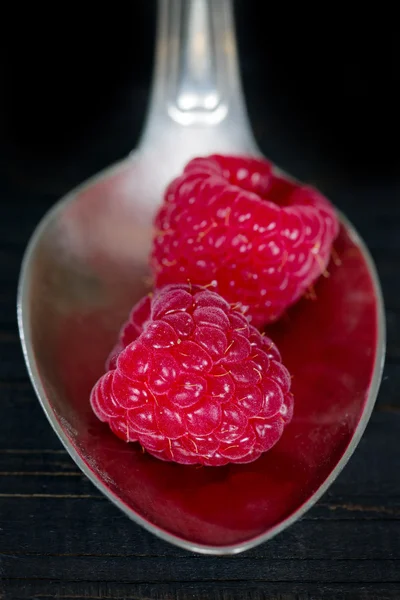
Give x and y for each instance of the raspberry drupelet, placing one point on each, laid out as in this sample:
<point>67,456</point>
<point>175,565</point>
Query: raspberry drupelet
<point>193,382</point>
<point>259,237</point>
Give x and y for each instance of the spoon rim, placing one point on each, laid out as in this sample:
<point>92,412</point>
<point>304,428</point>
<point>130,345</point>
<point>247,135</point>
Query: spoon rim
<point>33,371</point>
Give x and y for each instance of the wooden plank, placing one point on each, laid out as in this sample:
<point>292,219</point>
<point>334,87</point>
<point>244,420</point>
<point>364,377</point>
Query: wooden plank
<point>171,569</point>
<point>24,589</point>
<point>392,334</point>
<point>23,410</point>
<point>10,260</point>
<point>36,460</point>
<point>389,394</point>
<point>80,526</point>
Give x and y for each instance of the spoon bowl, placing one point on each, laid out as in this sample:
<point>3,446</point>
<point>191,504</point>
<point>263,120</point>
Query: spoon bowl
<point>87,264</point>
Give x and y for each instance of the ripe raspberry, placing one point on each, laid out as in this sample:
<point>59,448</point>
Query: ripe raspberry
<point>234,221</point>
<point>198,384</point>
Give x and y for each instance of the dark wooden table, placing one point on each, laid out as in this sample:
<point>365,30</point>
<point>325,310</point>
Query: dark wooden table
<point>60,538</point>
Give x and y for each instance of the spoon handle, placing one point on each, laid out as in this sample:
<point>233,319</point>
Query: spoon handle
<point>196,77</point>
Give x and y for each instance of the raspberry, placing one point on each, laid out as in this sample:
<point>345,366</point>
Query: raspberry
<point>194,382</point>
<point>259,237</point>
<point>131,329</point>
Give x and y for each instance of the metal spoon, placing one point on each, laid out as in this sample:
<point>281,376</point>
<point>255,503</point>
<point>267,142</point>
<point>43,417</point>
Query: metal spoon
<point>86,264</point>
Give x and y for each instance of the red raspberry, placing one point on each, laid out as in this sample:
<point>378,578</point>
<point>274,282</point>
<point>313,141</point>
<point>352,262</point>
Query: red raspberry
<point>131,330</point>
<point>198,384</point>
<point>261,238</point>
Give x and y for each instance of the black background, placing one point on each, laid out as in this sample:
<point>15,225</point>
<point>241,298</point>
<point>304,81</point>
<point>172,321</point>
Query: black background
<point>326,79</point>
<point>321,85</point>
